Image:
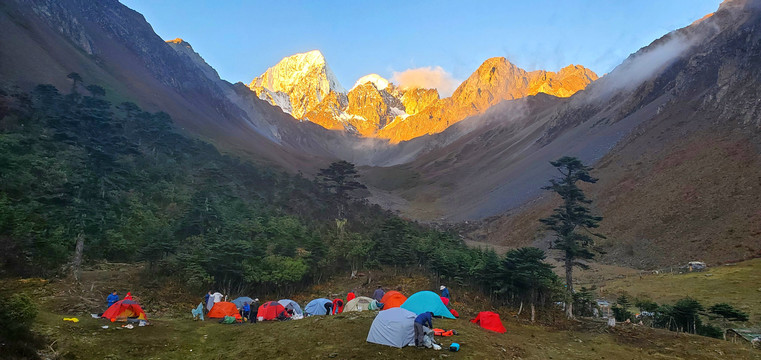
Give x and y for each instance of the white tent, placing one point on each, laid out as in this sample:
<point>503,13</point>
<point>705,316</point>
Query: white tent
<point>393,327</point>
<point>360,303</point>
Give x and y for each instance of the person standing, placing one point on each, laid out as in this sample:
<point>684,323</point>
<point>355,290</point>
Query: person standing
<point>351,295</point>
<point>128,296</point>
<point>255,311</point>
<point>378,294</point>
<point>206,299</point>
<point>245,312</point>
<point>112,298</point>
<point>444,291</point>
<point>421,321</point>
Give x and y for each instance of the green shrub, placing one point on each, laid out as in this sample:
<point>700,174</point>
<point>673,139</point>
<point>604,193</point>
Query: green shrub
<point>16,316</point>
<point>710,331</point>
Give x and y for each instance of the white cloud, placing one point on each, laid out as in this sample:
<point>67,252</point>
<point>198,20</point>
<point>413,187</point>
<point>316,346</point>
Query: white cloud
<point>427,77</point>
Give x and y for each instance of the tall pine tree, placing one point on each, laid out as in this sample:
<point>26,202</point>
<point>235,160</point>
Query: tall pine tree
<point>571,221</point>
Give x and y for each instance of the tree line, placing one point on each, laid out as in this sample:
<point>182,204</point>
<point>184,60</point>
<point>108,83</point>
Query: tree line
<point>85,180</point>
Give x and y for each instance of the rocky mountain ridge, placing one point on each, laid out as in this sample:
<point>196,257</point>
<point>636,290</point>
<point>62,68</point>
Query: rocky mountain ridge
<point>303,86</point>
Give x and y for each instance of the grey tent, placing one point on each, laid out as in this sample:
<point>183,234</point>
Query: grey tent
<point>242,300</point>
<point>361,303</point>
<point>292,305</point>
<point>393,327</point>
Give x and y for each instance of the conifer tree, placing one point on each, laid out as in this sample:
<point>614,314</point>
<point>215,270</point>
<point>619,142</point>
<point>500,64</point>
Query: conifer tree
<point>571,221</point>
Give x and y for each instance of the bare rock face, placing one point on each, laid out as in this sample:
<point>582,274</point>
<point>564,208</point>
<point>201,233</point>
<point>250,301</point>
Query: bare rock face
<point>329,112</point>
<point>494,81</point>
<point>377,107</point>
<point>415,100</point>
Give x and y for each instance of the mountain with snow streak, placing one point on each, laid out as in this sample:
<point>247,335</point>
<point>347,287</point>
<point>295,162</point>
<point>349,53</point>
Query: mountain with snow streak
<point>298,83</point>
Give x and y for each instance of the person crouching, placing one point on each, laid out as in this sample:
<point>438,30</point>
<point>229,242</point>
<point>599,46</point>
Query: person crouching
<point>421,321</point>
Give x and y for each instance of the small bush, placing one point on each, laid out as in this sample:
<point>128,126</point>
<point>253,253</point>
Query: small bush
<point>16,315</point>
<point>710,331</point>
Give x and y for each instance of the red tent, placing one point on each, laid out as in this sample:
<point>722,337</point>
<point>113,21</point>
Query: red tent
<point>338,306</point>
<point>222,309</point>
<point>269,311</point>
<point>489,321</point>
<point>123,309</point>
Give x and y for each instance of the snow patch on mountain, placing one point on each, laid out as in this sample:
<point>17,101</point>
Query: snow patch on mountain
<point>379,82</point>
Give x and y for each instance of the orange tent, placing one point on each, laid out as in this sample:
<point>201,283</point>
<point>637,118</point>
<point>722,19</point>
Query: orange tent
<point>121,310</point>
<point>393,299</point>
<point>222,309</point>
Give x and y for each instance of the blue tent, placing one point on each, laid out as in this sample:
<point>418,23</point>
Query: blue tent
<point>242,300</point>
<point>393,327</point>
<point>290,304</point>
<point>316,307</point>
<point>423,301</point>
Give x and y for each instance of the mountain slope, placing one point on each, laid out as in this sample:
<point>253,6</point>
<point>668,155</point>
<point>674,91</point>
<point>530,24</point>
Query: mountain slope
<point>110,45</point>
<point>673,131</point>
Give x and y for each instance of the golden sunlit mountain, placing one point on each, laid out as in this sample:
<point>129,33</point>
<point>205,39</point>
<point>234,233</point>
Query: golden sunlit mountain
<point>304,86</point>
<point>495,80</point>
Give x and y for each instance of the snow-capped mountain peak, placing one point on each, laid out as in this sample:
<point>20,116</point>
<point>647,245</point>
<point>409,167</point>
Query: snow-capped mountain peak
<point>379,82</point>
<point>297,83</point>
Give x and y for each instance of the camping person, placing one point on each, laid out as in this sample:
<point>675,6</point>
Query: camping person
<point>255,312</point>
<point>285,315</point>
<point>378,294</point>
<point>128,296</point>
<point>112,298</point>
<point>444,291</point>
<point>338,306</point>
<point>328,308</point>
<point>217,297</point>
<point>245,311</point>
<point>351,295</point>
<point>206,298</point>
<point>421,321</point>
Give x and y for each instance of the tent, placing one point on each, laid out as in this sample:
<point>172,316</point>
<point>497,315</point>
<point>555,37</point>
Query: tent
<point>222,309</point>
<point>269,311</point>
<point>423,301</point>
<point>242,300</point>
<point>317,307</point>
<point>393,327</point>
<point>292,305</point>
<point>360,304</point>
<point>445,301</point>
<point>393,299</point>
<point>123,309</point>
<point>489,321</point>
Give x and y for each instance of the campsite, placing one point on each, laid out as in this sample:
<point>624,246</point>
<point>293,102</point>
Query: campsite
<point>504,180</point>
<point>174,335</point>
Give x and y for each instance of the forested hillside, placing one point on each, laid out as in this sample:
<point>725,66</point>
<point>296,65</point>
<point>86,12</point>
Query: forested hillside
<point>129,187</point>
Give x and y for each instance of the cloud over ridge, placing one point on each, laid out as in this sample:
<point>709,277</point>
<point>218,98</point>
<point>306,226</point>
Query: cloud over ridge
<point>427,77</point>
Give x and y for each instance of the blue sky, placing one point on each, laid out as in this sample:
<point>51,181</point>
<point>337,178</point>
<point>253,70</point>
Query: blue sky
<point>241,39</point>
